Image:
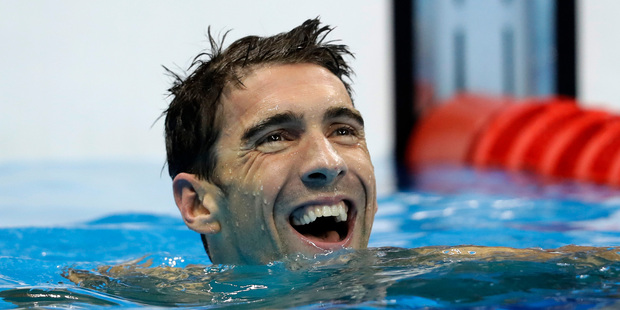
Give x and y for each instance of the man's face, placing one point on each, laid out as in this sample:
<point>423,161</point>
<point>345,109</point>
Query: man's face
<point>293,167</point>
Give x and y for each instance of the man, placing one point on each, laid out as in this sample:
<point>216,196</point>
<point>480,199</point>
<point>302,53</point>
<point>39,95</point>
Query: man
<point>267,152</point>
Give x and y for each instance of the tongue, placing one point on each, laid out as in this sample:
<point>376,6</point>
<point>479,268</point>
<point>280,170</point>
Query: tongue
<point>328,236</point>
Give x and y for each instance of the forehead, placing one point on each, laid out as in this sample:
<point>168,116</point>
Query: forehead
<point>292,87</point>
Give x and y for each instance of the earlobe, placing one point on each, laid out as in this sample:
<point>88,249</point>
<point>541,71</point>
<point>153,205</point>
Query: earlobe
<point>197,202</point>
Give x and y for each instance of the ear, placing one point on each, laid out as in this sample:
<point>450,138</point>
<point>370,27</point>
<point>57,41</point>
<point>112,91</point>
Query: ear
<point>197,201</point>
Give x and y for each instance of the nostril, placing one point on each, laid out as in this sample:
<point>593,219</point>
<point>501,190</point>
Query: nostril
<point>322,176</point>
<point>317,176</point>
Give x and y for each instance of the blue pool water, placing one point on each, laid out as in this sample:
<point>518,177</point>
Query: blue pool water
<point>150,259</point>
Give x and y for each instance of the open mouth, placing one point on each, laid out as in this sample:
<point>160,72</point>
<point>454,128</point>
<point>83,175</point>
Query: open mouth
<point>324,223</point>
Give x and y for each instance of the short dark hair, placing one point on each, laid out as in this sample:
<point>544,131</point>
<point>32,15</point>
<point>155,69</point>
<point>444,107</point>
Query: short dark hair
<point>191,126</point>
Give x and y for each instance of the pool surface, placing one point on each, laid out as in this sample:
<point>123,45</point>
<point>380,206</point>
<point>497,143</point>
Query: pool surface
<point>145,259</point>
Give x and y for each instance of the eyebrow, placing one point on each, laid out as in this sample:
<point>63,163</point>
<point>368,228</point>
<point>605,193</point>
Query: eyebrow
<point>337,112</point>
<point>277,119</point>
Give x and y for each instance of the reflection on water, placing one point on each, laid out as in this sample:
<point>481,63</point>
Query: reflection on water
<point>56,297</point>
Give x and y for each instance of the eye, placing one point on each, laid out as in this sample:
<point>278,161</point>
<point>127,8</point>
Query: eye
<point>345,134</point>
<point>344,131</point>
<point>274,141</point>
<point>273,138</point>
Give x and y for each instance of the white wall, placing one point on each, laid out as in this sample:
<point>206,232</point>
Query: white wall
<point>598,53</point>
<point>82,80</point>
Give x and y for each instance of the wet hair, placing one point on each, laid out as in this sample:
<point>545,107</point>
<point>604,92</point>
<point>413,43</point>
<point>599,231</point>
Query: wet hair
<point>191,124</point>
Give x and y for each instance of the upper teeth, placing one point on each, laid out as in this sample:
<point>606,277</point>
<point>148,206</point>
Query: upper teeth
<point>309,214</point>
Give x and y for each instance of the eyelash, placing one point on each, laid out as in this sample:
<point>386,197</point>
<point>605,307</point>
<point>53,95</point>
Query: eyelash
<point>350,131</point>
<point>268,138</point>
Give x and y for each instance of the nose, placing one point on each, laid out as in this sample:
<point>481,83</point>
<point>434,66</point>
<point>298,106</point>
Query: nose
<point>322,165</point>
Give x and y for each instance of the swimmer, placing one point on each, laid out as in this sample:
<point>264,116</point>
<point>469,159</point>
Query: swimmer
<point>266,150</point>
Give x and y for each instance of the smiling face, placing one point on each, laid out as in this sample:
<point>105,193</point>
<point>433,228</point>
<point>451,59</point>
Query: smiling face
<point>293,171</point>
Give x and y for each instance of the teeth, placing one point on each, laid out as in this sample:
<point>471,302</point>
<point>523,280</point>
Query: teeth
<point>309,214</point>
<point>318,211</point>
<point>312,216</point>
<point>327,211</point>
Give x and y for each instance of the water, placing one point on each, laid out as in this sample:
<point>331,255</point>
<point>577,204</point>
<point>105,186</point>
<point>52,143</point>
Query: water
<point>152,260</point>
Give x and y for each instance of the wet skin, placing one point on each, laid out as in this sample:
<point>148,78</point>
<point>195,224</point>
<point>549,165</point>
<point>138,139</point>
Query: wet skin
<point>291,142</point>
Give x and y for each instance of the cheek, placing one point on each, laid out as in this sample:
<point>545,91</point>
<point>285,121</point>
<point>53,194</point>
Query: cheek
<point>237,170</point>
<point>359,161</point>
<point>258,174</point>
<point>270,173</point>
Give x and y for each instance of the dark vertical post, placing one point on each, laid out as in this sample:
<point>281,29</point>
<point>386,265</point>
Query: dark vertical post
<point>508,61</point>
<point>404,84</point>
<point>566,46</point>
<point>459,60</point>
